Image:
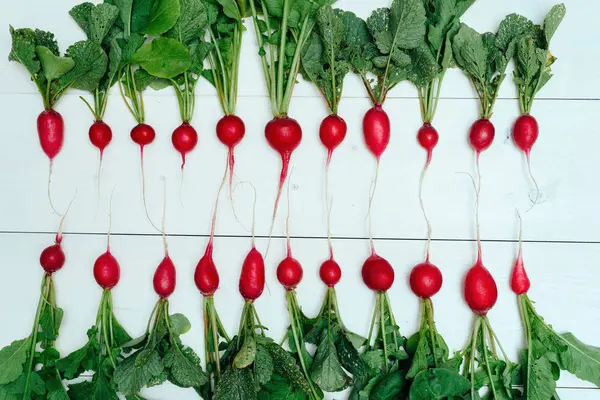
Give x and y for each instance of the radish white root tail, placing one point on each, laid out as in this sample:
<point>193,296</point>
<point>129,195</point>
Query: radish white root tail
<point>49,190</point>
<point>371,196</point>
<point>164,216</point>
<point>537,188</point>
<point>144,191</point>
<point>329,206</point>
<point>422,179</point>
<point>62,219</point>
<point>477,188</point>
<point>109,220</point>
<point>214,217</point>
<point>287,219</point>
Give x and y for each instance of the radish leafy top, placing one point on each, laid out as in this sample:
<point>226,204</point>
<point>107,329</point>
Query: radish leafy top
<point>225,27</point>
<point>82,67</point>
<point>533,58</point>
<point>394,31</point>
<point>282,29</point>
<point>326,55</point>
<point>434,56</point>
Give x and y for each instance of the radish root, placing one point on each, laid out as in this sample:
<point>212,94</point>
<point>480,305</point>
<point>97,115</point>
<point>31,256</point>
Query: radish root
<point>285,161</point>
<point>287,218</point>
<point>214,218</point>
<point>49,190</point>
<point>423,173</point>
<point>537,188</point>
<point>371,196</point>
<point>329,206</point>
<point>58,238</point>
<point>144,190</point>
<point>477,191</point>
<point>109,220</point>
<point>164,215</point>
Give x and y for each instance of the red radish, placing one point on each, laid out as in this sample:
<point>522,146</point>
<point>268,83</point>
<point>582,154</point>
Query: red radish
<point>428,138</point>
<point>481,135</point>
<point>289,272</point>
<point>330,272</point>
<point>100,135</point>
<point>332,133</point>
<point>525,133</point>
<point>165,278</point>
<point>519,281</point>
<point>51,129</point>
<point>52,258</point>
<point>480,289</point>
<point>252,278</point>
<point>284,135</point>
<point>231,131</point>
<point>185,139</point>
<point>206,275</point>
<point>377,273</point>
<point>107,271</point>
<point>425,280</point>
<point>376,130</point>
<point>143,135</point>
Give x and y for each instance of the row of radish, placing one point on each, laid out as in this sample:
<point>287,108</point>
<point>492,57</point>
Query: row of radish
<point>412,41</point>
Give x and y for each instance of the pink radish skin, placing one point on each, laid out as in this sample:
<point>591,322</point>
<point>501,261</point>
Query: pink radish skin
<point>332,133</point>
<point>330,272</point>
<point>51,130</point>
<point>289,273</point>
<point>377,273</point>
<point>206,276</point>
<point>100,135</point>
<point>481,135</point>
<point>165,278</point>
<point>426,280</point>
<point>480,290</point>
<point>525,133</point>
<point>252,277</point>
<point>519,281</point>
<point>230,131</point>
<point>376,130</point>
<point>143,135</point>
<point>52,258</point>
<point>428,138</point>
<point>184,139</point>
<point>107,271</point>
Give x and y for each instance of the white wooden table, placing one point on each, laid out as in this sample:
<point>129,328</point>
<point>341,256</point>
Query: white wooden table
<point>562,249</point>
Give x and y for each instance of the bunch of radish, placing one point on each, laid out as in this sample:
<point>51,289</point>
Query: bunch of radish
<point>29,365</point>
<point>532,71</point>
<point>102,352</point>
<point>159,355</point>
<point>53,75</point>
<point>547,351</point>
<point>276,33</point>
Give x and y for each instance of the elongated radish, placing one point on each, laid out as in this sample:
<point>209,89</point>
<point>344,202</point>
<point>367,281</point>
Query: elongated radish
<point>519,281</point>
<point>50,127</point>
<point>184,139</point>
<point>165,276</point>
<point>481,135</point>
<point>252,276</point>
<point>525,134</point>
<point>376,130</point>
<point>107,271</point>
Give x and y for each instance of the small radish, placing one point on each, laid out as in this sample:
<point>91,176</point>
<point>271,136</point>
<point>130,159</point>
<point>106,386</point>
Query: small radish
<point>332,133</point>
<point>519,281</point>
<point>231,131</point>
<point>428,138</point>
<point>284,135</point>
<point>377,273</point>
<point>100,135</point>
<point>376,130</point>
<point>165,276</point>
<point>330,273</point>
<point>481,135</point>
<point>51,128</point>
<point>252,277</point>
<point>426,280</point>
<point>525,134</point>
<point>206,275</point>
<point>107,271</point>
<point>185,139</point>
<point>52,257</point>
<point>289,272</point>
<point>143,135</point>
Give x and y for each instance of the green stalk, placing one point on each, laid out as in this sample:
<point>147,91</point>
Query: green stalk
<point>487,361</point>
<point>46,283</point>
<point>472,360</point>
<point>493,334</point>
<point>432,330</point>
<point>373,319</point>
<point>295,68</point>
<point>281,54</point>
<point>105,314</point>
<point>382,332</point>
<point>527,326</point>
<point>215,337</point>
<point>267,70</point>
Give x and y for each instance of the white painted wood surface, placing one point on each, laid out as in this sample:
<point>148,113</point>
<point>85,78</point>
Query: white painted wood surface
<point>563,246</point>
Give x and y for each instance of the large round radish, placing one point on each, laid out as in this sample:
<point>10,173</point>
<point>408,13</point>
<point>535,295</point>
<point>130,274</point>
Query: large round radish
<point>107,271</point>
<point>184,139</point>
<point>52,258</point>
<point>143,135</point>
<point>525,133</point>
<point>289,273</point>
<point>330,272</point>
<point>252,277</point>
<point>426,280</point>
<point>376,130</point>
<point>481,135</point>
<point>377,273</point>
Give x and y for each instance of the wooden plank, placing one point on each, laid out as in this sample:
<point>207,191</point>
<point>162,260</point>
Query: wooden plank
<point>563,163</point>
<point>556,280</point>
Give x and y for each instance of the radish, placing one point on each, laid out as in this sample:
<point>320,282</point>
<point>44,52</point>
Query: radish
<point>252,277</point>
<point>184,139</point>
<point>377,273</point>
<point>332,133</point>
<point>165,276</point>
<point>275,35</point>
<point>425,280</point>
<point>107,271</point>
<point>533,70</point>
<point>330,273</point>
<point>230,131</point>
